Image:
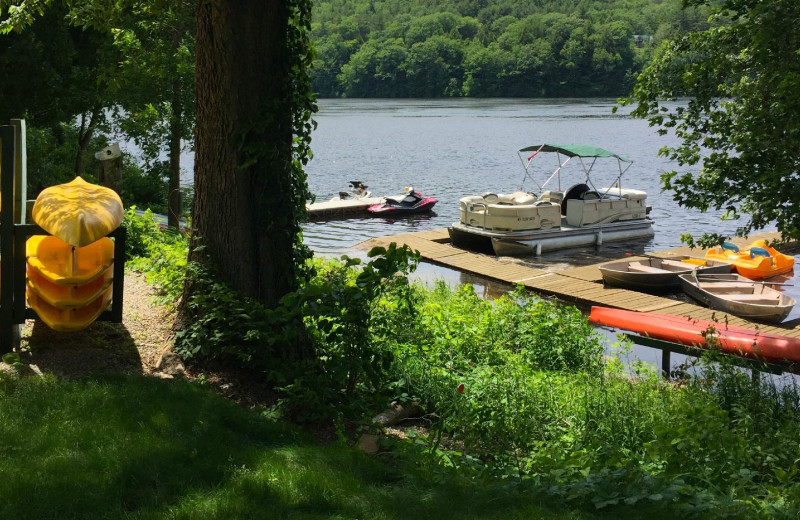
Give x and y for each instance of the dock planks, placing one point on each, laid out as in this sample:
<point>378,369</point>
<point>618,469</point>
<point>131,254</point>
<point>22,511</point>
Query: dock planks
<point>580,286</point>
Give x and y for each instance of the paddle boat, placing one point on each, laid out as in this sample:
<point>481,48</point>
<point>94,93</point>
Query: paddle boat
<point>657,274</point>
<point>738,341</point>
<point>756,262</point>
<point>554,216</point>
<point>70,273</point>
<point>737,295</point>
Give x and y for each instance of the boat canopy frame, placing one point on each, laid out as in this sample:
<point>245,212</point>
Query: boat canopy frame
<point>570,151</point>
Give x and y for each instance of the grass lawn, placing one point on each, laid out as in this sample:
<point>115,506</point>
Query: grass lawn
<point>135,447</point>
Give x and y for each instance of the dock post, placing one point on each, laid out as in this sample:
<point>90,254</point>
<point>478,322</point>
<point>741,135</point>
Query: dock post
<point>665,363</point>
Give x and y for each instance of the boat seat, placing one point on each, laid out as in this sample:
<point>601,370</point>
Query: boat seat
<point>682,265</point>
<point>522,198</point>
<point>725,287</point>
<point>639,267</point>
<point>730,246</point>
<point>758,299</point>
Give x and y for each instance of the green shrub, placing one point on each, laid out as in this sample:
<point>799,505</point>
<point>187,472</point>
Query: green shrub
<point>335,313</point>
<point>160,254</point>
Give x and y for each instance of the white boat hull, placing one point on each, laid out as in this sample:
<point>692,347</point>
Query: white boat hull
<point>541,241</point>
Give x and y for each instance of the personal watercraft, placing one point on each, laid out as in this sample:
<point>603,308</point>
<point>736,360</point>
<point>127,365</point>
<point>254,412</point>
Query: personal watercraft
<point>411,203</point>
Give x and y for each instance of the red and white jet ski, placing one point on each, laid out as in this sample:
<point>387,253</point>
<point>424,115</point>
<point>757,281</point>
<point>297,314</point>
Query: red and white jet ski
<point>412,202</point>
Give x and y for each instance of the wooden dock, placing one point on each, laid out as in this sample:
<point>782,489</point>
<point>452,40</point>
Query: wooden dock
<point>580,286</point>
<point>341,208</point>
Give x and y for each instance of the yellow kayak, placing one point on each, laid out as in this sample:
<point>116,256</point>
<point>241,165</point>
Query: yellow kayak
<point>63,264</point>
<point>68,320</point>
<point>78,212</point>
<point>69,296</point>
<point>756,262</point>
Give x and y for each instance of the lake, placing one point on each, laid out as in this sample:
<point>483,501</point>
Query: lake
<point>458,147</point>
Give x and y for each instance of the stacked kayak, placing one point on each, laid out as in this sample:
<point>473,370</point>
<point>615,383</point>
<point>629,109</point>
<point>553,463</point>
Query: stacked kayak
<point>68,286</point>
<point>757,261</point>
<point>70,275</point>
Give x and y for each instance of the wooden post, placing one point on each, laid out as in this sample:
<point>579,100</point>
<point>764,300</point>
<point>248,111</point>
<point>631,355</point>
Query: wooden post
<point>8,337</point>
<point>20,171</point>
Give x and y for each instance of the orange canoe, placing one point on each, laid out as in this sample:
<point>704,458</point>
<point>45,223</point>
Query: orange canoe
<point>739,341</point>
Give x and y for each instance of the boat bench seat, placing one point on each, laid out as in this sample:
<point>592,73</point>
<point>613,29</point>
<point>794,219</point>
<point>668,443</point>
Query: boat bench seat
<point>683,265</point>
<point>517,211</point>
<point>758,299</point>
<point>641,268</point>
<point>603,211</point>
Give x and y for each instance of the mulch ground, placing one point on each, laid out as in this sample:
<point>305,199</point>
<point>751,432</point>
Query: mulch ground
<point>132,346</point>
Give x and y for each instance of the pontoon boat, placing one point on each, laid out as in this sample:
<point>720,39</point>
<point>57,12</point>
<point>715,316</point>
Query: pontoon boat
<point>553,218</point>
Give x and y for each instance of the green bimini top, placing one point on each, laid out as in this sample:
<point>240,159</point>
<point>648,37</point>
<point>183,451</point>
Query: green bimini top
<point>574,150</point>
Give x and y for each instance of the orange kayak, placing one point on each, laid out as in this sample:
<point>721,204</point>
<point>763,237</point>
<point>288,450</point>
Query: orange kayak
<point>739,341</point>
<point>756,262</point>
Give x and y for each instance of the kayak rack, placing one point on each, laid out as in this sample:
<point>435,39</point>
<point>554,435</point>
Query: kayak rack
<point>14,233</point>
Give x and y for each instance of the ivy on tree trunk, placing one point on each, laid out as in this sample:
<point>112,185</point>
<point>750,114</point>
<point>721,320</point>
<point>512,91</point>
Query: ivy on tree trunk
<point>252,131</point>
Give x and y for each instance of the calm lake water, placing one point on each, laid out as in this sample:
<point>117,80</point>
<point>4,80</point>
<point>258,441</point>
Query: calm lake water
<point>454,148</point>
<point>458,147</point>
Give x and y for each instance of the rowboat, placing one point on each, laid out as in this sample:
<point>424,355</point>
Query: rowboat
<point>757,261</point>
<point>657,274</point>
<point>739,341</point>
<point>738,295</point>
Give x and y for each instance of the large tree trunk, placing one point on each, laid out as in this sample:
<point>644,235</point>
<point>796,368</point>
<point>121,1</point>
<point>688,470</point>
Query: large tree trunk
<point>85,133</point>
<point>244,214</point>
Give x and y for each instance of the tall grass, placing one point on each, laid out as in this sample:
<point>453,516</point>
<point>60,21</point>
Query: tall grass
<point>518,388</point>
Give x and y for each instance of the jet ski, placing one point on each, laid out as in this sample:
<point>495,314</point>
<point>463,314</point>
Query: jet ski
<point>411,202</point>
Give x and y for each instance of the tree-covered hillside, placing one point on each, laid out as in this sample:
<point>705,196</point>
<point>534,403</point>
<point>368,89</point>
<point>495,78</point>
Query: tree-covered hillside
<point>489,48</point>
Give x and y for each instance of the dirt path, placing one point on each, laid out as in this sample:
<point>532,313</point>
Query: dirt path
<point>132,346</point>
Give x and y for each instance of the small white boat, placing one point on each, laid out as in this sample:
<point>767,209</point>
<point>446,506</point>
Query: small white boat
<point>524,223</point>
<point>738,295</point>
<point>658,274</point>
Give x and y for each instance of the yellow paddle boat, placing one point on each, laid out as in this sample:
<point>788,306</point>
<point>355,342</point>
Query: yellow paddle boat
<point>756,262</point>
<point>69,296</point>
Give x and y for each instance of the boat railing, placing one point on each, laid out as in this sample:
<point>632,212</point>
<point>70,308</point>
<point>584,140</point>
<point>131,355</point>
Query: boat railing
<point>485,207</point>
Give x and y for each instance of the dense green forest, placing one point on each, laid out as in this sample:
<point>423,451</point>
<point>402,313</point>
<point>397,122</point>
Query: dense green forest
<point>489,48</point>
